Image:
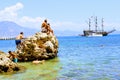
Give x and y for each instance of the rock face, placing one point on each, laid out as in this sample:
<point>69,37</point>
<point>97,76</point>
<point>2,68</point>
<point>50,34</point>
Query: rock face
<point>6,65</point>
<point>40,46</point>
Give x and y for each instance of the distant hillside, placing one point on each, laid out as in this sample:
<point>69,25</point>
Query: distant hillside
<point>8,29</point>
<point>66,33</point>
<point>11,29</point>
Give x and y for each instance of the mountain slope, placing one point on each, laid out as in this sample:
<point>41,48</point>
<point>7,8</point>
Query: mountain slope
<point>11,29</point>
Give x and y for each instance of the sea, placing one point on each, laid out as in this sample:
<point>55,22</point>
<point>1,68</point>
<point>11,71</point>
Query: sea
<point>79,58</point>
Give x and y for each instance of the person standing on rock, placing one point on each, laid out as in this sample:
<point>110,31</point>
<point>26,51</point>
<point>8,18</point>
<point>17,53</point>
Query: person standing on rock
<point>44,26</point>
<point>18,39</point>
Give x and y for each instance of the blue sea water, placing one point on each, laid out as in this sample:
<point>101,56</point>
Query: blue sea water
<point>6,45</point>
<point>84,58</point>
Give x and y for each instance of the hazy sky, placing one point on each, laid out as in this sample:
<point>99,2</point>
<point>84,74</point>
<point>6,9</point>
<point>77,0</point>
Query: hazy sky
<point>63,15</point>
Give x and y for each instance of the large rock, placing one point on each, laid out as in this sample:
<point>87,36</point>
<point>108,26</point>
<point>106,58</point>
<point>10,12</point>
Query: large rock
<point>6,65</point>
<point>40,46</point>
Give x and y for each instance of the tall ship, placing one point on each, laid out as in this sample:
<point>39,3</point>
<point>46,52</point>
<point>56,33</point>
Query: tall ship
<point>96,32</point>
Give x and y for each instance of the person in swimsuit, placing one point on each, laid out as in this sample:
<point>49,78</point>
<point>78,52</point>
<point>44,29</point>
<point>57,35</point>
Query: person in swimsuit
<point>49,29</point>
<point>44,26</point>
<point>13,56</point>
<point>18,39</point>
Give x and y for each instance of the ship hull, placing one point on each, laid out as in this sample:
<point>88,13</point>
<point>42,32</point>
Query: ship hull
<point>90,33</point>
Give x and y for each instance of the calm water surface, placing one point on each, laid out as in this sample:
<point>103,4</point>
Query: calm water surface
<point>79,58</point>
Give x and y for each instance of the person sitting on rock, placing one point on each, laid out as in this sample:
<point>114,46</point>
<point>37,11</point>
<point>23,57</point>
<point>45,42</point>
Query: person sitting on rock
<point>13,56</point>
<point>44,26</point>
<point>49,29</point>
<point>18,39</point>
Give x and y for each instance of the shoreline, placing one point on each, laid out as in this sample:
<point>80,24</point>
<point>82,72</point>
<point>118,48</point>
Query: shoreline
<point>7,38</point>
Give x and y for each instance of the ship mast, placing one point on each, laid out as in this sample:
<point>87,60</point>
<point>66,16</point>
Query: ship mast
<point>96,24</point>
<point>89,24</point>
<point>102,25</point>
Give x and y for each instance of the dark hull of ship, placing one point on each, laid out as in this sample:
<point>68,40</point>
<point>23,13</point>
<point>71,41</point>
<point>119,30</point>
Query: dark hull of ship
<point>93,33</point>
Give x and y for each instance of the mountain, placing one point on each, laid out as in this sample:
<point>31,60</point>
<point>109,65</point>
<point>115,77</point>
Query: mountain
<point>11,29</point>
<point>66,33</point>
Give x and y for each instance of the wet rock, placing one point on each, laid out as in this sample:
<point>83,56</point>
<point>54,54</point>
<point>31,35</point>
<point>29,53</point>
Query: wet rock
<point>6,65</point>
<point>40,46</point>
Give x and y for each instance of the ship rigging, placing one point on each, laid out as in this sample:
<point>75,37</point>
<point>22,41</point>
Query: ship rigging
<point>96,32</point>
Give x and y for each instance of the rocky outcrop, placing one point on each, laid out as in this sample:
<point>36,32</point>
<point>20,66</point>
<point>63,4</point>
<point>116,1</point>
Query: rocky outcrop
<point>40,46</point>
<point>6,65</point>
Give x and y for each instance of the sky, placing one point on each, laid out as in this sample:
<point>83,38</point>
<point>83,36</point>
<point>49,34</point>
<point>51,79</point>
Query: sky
<point>68,16</point>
